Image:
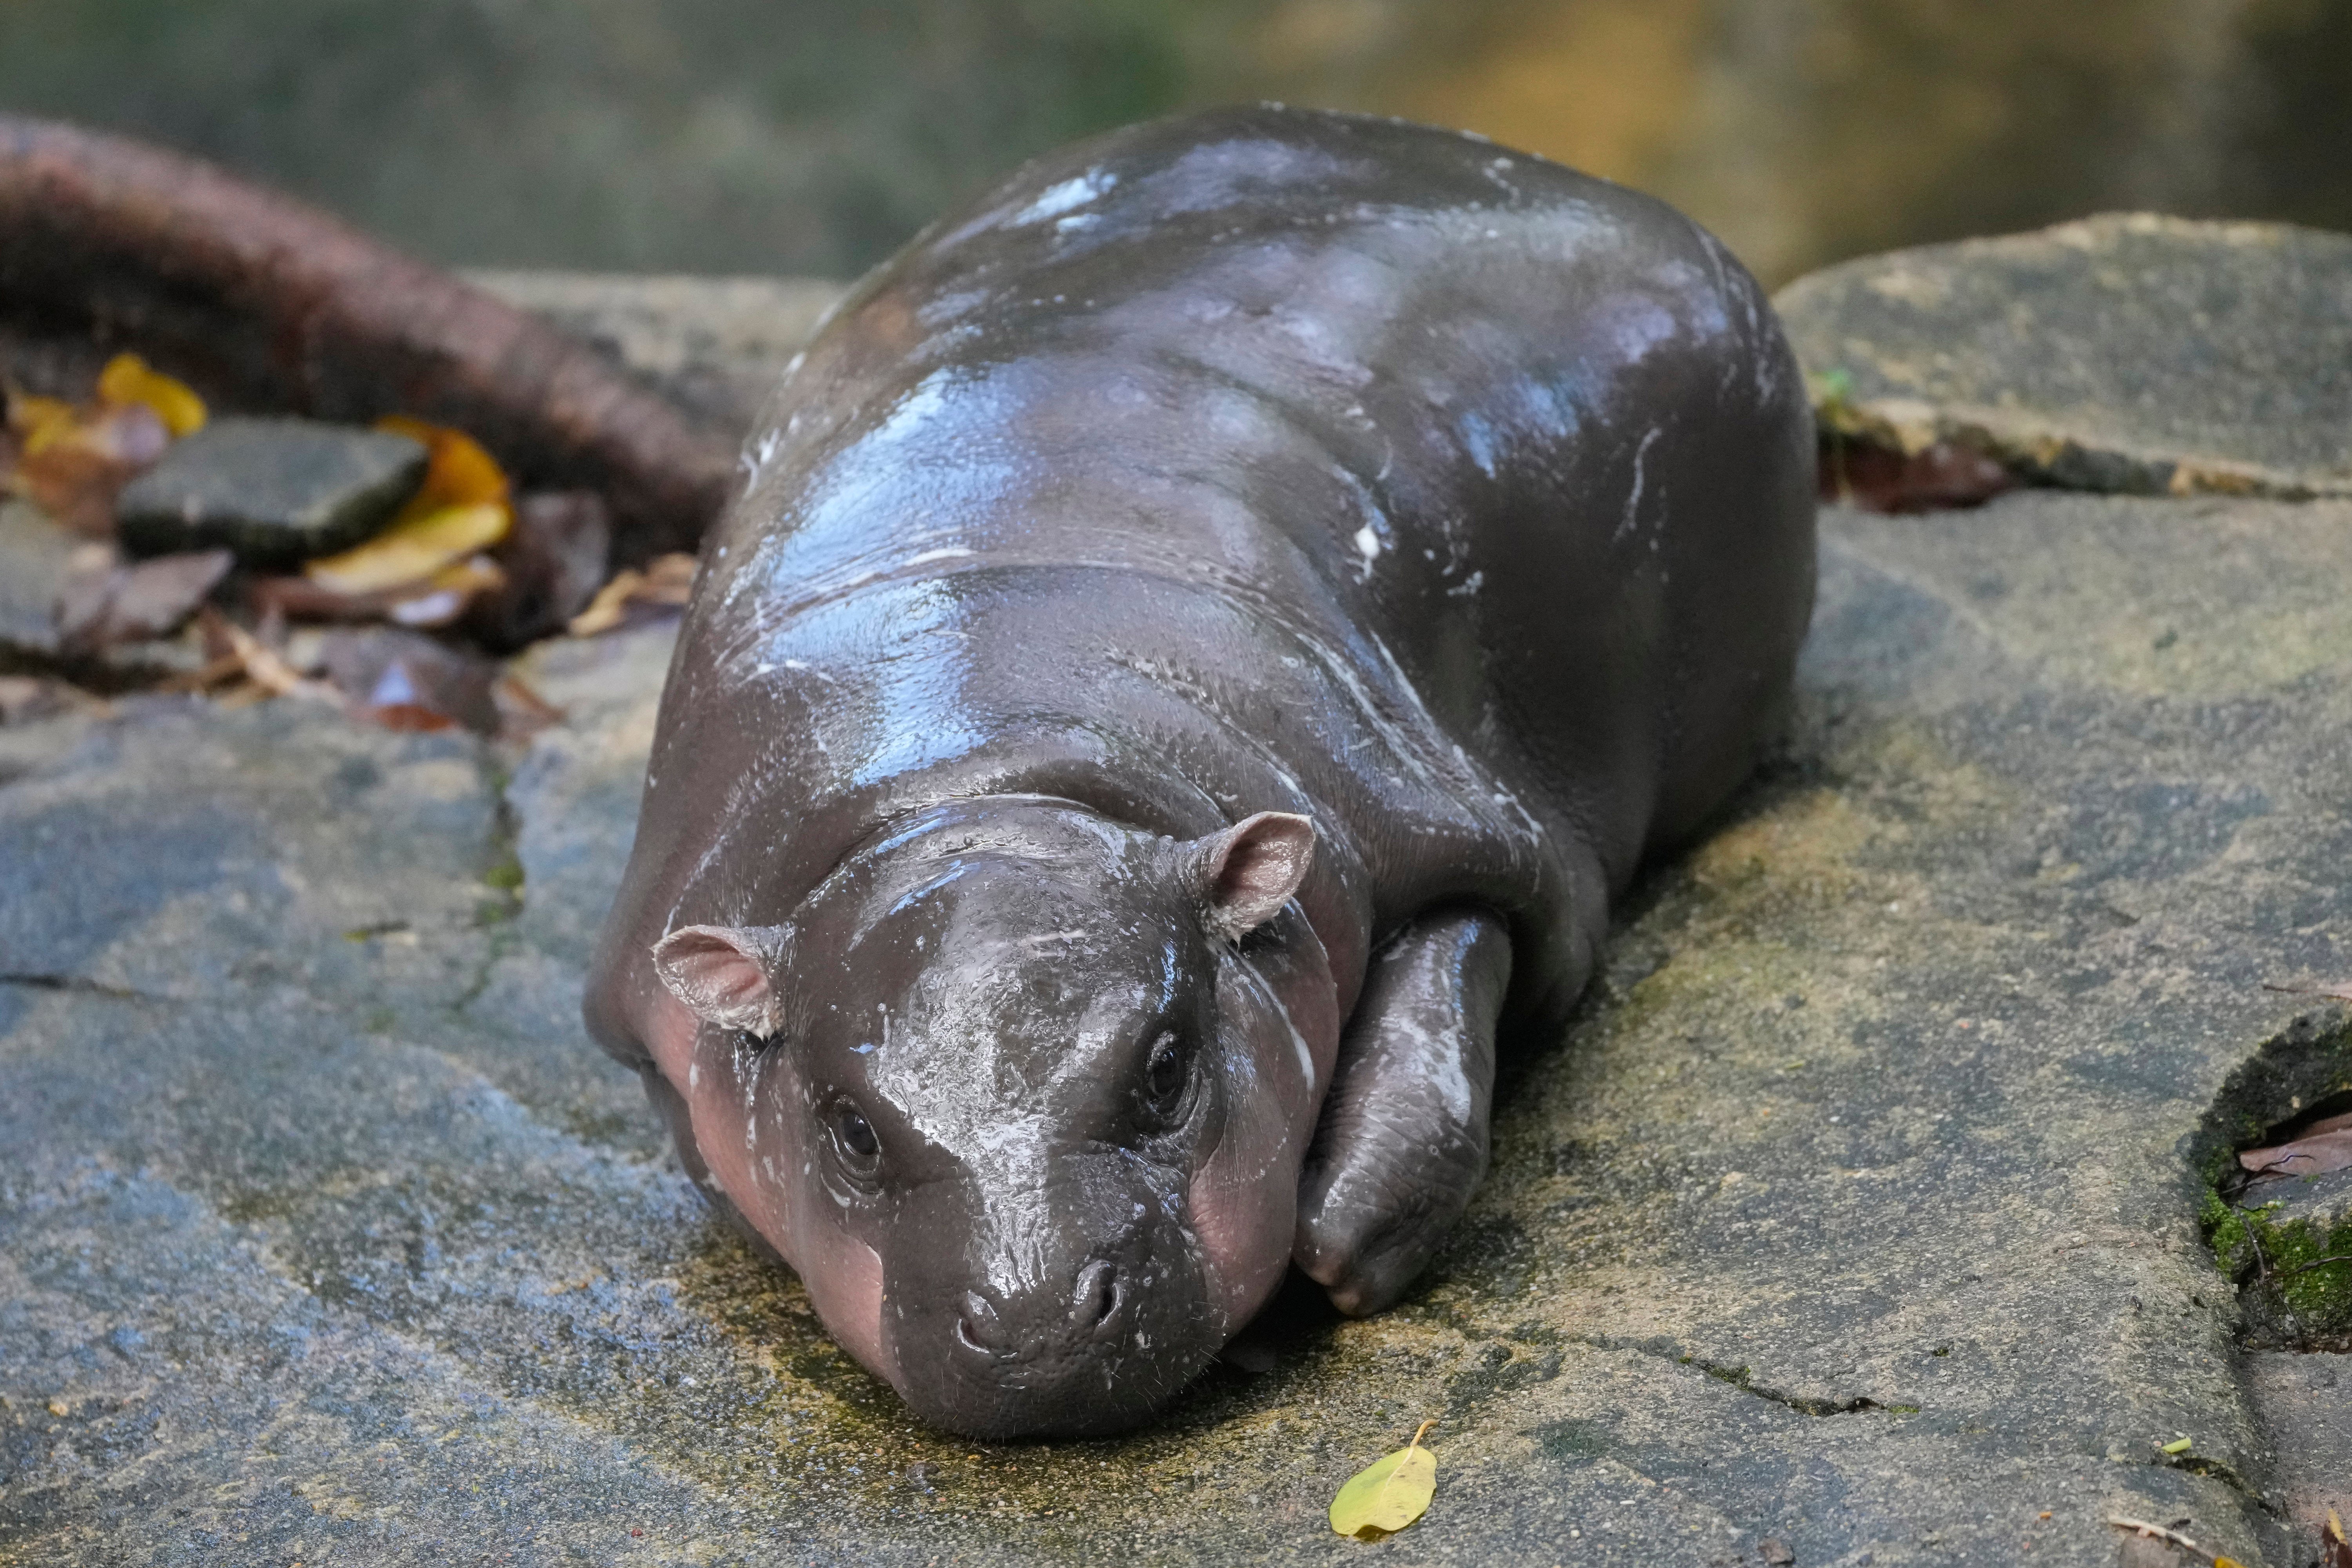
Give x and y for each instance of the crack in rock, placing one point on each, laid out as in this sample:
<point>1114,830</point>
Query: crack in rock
<point>1741,1379</point>
<point>77,985</point>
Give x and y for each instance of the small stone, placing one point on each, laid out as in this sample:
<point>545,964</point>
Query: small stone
<point>275,492</point>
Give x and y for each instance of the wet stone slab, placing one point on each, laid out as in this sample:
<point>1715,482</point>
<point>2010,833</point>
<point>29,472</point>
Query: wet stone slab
<point>1857,1213</point>
<point>2128,352</point>
<point>274,492</point>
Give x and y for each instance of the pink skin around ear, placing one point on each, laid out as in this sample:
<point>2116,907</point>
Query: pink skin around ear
<point>761,1176</point>
<point>1252,869</point>
<point>721,973</point>
<point>1284,1009</point>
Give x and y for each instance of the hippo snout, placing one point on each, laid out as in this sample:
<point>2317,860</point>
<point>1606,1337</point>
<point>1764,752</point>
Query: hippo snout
<point>1037,1328</point>
<point>1075,1339</point>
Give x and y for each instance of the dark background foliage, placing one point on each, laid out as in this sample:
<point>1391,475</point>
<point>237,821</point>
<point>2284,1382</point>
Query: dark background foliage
<point>813,135</point>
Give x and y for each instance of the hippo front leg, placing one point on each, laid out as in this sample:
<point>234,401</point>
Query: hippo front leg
<point>1402,1143</point>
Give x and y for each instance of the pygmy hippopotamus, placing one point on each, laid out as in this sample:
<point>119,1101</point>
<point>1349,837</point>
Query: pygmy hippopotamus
<point>1205,632</point>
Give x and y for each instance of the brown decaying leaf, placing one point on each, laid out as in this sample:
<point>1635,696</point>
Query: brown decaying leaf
<point>404,680</point>
<point>524,588</point>
<point>117,605</point>
<point>2335,1545</point>
<point>72,459</point>
<point>1878,478</point>
<point>2325,1145</point>
<point>634,597</point>
<point>73,467</point>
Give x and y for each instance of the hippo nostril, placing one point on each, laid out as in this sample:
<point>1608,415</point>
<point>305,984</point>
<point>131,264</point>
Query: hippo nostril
<point>1098,1297</point>
<point>976,1325</point>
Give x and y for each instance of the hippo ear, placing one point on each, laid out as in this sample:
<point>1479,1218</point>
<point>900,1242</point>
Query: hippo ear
<point>1247,873</point>
<point>726,974</point>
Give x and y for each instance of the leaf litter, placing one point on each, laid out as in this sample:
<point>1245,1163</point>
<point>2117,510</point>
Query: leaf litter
<point>465,556</point>
<point>1388,1494</point>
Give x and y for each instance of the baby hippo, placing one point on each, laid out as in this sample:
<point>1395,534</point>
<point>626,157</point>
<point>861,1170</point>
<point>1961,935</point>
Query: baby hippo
<point>1206,631</point>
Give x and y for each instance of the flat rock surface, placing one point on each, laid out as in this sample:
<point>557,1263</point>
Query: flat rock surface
<point>716,345</point>
<point>275,492</point>
<point>2311,1397</point>
<point>1855,1219</point>
<point>2128,352</point>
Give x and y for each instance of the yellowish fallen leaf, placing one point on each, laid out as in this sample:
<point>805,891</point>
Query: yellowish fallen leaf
<point>412,549</point>
<point>458,471</point>
<point>447,592</point>
<point>1389,1493</point>
<point>667,582</point>
<point>2177,1445</point>
<point>36,422</point>
<point>128,379</point>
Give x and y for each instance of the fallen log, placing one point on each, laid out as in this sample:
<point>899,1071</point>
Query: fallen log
<point>267,304</point>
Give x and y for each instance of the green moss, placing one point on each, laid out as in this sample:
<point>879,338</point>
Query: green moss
<point>2297,1266</point>
<point>507,874</point>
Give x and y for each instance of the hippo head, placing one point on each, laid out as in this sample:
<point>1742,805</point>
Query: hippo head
<point>1022,1094</point>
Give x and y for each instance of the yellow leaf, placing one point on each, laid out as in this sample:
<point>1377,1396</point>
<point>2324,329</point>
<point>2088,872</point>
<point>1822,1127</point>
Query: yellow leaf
<point>458,473</point>
<point>1389,1493</point>
<point>40,422</point>
<point>2177,1445</point>
<point>2226,1563</point>
<point>128,379</point>
<point>412,550</point>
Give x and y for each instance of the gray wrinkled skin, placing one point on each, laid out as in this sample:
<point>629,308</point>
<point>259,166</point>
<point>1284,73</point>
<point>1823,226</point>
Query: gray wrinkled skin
<point>1208,630</point>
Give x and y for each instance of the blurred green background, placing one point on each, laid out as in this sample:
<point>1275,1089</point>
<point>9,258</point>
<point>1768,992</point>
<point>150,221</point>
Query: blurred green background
<point>811,136</point>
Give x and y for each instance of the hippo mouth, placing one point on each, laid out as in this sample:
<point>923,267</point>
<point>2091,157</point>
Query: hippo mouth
<point>1100,1358</point>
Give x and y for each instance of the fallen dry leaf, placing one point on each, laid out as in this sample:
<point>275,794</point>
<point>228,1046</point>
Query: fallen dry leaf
<point>128,379</point>
<point>522,712</point>
<point>634,597</point>
<point>459,471</point>
<point>71,460</point>
<point>259,663</point>
<point>1878,478</point>
<point>412,550</point>
<point>72,466</point>
<point>1389,1493</point>
<point>406,680</point>
<point>461,507</point>
<point>444,596</point>
<point>2324,1145</point>
<point>128,603</point>
<point>2334,1546</point>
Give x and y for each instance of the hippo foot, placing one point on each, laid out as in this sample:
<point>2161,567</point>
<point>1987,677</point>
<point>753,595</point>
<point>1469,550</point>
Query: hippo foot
<point>1402,1141</point>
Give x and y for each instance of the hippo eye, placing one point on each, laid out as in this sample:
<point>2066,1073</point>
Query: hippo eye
<point>853,1136</point>
<point>1167,1074</point>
